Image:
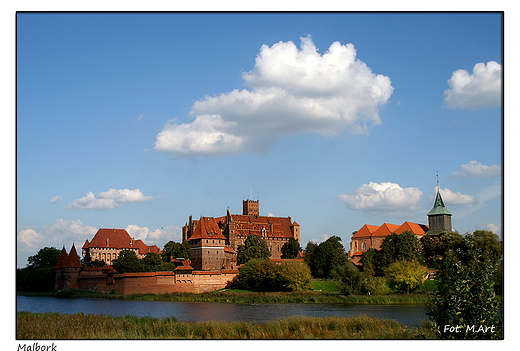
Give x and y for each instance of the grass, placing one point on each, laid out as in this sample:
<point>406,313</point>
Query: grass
<point>80,326</point>
<point>244,296</point>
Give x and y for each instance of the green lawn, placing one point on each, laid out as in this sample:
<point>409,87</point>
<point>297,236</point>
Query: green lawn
<point>324,285</point>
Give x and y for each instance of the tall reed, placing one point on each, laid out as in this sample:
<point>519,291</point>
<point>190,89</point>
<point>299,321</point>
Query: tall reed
<point>57,326</point>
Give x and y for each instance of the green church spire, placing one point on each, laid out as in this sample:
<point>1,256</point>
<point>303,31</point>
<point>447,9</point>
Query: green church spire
<point>438,206</point>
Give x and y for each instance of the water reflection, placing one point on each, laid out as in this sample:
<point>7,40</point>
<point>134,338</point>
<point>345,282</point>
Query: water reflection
<point>410,315</point>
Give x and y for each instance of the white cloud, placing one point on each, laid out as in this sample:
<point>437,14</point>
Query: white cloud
<point>495,228</point>
<point>323,238</point>
<point>108,199</point>
<point>62,233</point>
<point>157,237</point>
<point>475,169</point>
<point>384,197</point>
<point>481,89</point>
<point>55,199</point>
<point>29,238</point>
<point>456,198</point>
<point>291,91</point>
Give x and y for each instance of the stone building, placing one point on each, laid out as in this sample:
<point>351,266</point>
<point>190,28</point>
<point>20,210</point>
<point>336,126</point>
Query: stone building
<point>371,236</point>
<point>108,243</point>
<point>276,231</point>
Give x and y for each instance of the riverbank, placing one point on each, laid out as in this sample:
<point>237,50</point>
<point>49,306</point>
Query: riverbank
<point>56,326</point>
<point>252,297</point>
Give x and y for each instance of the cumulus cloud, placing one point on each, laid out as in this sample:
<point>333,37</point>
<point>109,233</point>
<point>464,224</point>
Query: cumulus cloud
<point>107,200</point>
<point>323,238</point>
<point>55,199</point>
<point>154,236</point>
<point>481,89</point>
<point>475,169</point>
<point>29,238</point>
<point>456,198</point>
<point>291,90</point>
<point>62,232</point>
<point>384,197</point>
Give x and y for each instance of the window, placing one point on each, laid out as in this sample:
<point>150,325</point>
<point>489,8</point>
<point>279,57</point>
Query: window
<point>363,246</point>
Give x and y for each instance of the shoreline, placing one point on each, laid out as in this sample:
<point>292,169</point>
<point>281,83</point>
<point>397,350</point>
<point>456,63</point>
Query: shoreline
<point>230,296</point>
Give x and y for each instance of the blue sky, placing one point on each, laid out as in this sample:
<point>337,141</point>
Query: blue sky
<point>139,120</point>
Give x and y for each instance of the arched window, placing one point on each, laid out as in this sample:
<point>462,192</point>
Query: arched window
<point>363,246</point>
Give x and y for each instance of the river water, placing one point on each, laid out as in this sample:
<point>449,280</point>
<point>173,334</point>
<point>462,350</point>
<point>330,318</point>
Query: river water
<point>409,315</point>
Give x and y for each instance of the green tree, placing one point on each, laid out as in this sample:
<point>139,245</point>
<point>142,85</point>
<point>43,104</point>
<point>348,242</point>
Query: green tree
<point>260,275</point>
<point>295,276</point>
<point>430,249</point>
<point>174,250</point>
<point>254,247</point>
<point>328,255</point>
<point>399,247</point>
<point>309,251</point>
<point>265,275</point>
<point>348,277</point>
<point>127,262</point>
<point>369,262</point>
<point>152,262</point>
<point>466,294</point>
<point>39,273</point>
<point>405,275</point>
<point>46,257</point>
<point>290,249</point>
<point>97,263</point>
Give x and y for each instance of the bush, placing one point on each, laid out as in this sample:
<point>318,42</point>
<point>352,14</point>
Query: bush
<point>376,286</point>
<point>265,275</point>
<point>405,275</point>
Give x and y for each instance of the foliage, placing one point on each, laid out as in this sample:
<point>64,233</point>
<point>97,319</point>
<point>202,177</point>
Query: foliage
<point>254,248</point>
<point>46,257</point>
<point>399,247</point>
<point>127,262</point>
<point>39,273</point>
<point>151,262</point>
<point>265,275</point>
<point>176,250</point>
<point>290,249</point>
<point>349,278</point>
<point>295,276</point>
<point>405,275</point>
<point>97,263</point>
<point>310,250</point>
<point>326,256</point>
<point>369,262</point>
<point>376,286</point>
<point>466,295</point>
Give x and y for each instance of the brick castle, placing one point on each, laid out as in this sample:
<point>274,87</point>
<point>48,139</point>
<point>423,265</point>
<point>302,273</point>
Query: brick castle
<point>213,265</point>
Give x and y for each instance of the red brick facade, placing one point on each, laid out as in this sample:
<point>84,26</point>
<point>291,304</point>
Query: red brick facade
<point>106,279</point>
<point>235,229</point>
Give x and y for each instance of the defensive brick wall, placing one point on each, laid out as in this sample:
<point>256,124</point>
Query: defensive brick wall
<point>155,282</point>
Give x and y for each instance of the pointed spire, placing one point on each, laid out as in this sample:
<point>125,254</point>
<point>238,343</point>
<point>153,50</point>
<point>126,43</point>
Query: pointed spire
<point>63,260</point>
<point>438,206</point>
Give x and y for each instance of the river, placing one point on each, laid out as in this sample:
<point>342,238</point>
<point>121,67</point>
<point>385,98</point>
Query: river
<point>409,315</point>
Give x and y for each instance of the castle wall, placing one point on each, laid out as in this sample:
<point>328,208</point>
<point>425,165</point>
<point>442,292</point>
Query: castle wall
<point>154,282</point>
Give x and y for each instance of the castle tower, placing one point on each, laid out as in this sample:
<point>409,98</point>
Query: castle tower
<point>251,208</point>
<point>439,218</point>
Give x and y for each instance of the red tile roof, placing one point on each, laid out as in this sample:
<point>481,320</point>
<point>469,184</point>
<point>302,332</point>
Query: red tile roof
<point>366,231</point>
<point>385,229</point>
<point>119,239</point>
<point>279,227</point>
<point>207,228</point>
<point>417,229</point>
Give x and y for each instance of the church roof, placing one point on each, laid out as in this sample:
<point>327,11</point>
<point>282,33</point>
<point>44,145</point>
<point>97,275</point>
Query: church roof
<point>438,207</point>
<point>385,229</point>
<point>366,230</point>
<point>415,228</point>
